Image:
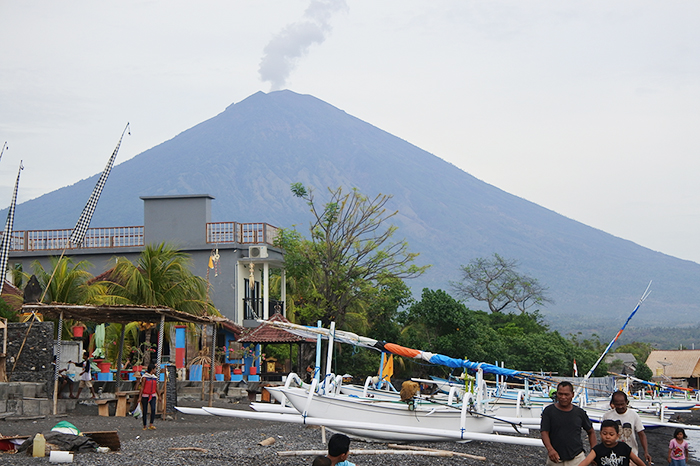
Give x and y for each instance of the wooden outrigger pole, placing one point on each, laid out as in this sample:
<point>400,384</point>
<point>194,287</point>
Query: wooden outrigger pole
<point>645,295</point>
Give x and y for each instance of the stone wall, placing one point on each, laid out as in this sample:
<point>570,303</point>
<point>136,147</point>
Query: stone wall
<point>34,362</point>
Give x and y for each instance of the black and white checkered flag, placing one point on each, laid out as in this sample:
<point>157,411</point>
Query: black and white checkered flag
<point>78,234</point>
<point>7,234</point>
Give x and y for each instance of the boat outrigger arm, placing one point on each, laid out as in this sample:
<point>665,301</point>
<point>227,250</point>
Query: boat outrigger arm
<point>365,342</point>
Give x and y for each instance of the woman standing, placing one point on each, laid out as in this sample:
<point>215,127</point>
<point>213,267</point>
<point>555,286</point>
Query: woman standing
<point>149,394</point>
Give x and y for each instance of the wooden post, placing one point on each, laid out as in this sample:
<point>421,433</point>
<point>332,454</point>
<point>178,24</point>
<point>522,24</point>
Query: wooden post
<point>164,398</point>
<point>119,358</point>
<point>56,367</point>
<point>3,356</point>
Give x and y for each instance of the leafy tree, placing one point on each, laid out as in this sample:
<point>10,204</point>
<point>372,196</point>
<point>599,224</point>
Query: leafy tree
<point>382,323</point>
<point>16,275</point>
<point>7,312</point>
<point>390,295</point>
<point>349,252</point>
<point>160,277</point>
<point>547,351</point>
<point>586,352</point>
<point>440,324</point>
<point>590,344</point>
<point>497,282</point>
<point>643,371</point>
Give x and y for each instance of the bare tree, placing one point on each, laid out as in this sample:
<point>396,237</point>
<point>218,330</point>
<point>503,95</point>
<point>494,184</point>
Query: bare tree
<point>496,281</point>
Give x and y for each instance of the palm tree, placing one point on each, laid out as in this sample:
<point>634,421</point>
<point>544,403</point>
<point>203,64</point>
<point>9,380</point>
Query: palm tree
<point>71,284</point>
<point>160,277</point>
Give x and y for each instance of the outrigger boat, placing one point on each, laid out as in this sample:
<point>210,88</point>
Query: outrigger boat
<point>474,419</point>
<point>397,421</point>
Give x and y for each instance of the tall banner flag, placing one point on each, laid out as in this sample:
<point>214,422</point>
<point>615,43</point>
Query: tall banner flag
<point>7,233</point>
<point>78,234</point>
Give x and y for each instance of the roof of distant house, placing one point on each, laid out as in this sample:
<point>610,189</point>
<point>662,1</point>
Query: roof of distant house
<point>12,295</point>
<point>678,364</point>
<point>265,333</point>
<point>626,358</point>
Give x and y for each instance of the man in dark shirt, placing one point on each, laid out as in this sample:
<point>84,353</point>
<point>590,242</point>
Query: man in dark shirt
<point>561,429</point>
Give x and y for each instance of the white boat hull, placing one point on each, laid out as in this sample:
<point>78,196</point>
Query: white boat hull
<point>387,413</point>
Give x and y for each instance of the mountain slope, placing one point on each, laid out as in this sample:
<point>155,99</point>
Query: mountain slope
<point>247,157</point>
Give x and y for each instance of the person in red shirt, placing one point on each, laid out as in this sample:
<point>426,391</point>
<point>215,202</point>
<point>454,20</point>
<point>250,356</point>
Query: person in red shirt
<point>149,394</point>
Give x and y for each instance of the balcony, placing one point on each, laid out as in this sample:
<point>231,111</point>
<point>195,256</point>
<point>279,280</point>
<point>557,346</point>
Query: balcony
<point>124,237</point>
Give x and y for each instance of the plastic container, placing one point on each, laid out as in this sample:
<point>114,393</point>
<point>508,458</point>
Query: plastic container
<point>60,457</point>
<point>39,446</point>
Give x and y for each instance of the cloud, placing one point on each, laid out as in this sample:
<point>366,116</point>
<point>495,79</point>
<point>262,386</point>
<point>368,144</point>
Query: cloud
<point>282,53</point>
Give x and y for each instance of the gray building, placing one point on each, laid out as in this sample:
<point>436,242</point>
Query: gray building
<point>242,255</point>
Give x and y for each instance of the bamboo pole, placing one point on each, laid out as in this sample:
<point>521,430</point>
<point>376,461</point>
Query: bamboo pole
<point>411,447</point>
<point>211,365</point>
<point>442,453</point>
<point>201,450</point>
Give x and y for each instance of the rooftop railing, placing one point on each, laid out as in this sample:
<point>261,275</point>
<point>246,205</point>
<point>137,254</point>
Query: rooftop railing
<point>243,233</point>
<point>48,240</point>
<point>124,237</point>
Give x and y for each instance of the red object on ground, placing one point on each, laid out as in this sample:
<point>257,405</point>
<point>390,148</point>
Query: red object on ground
<point>78,331</point>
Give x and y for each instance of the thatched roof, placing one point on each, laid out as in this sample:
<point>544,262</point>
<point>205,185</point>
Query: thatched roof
<point>118,314</point>
<point>679,363</point>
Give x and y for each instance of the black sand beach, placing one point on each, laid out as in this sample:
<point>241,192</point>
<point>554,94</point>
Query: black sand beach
<point>235,441</point>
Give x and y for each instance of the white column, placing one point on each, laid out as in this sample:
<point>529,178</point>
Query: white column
<point>266,291</point>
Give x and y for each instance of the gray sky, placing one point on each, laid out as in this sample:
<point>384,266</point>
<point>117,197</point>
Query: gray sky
<point>591,109</point>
